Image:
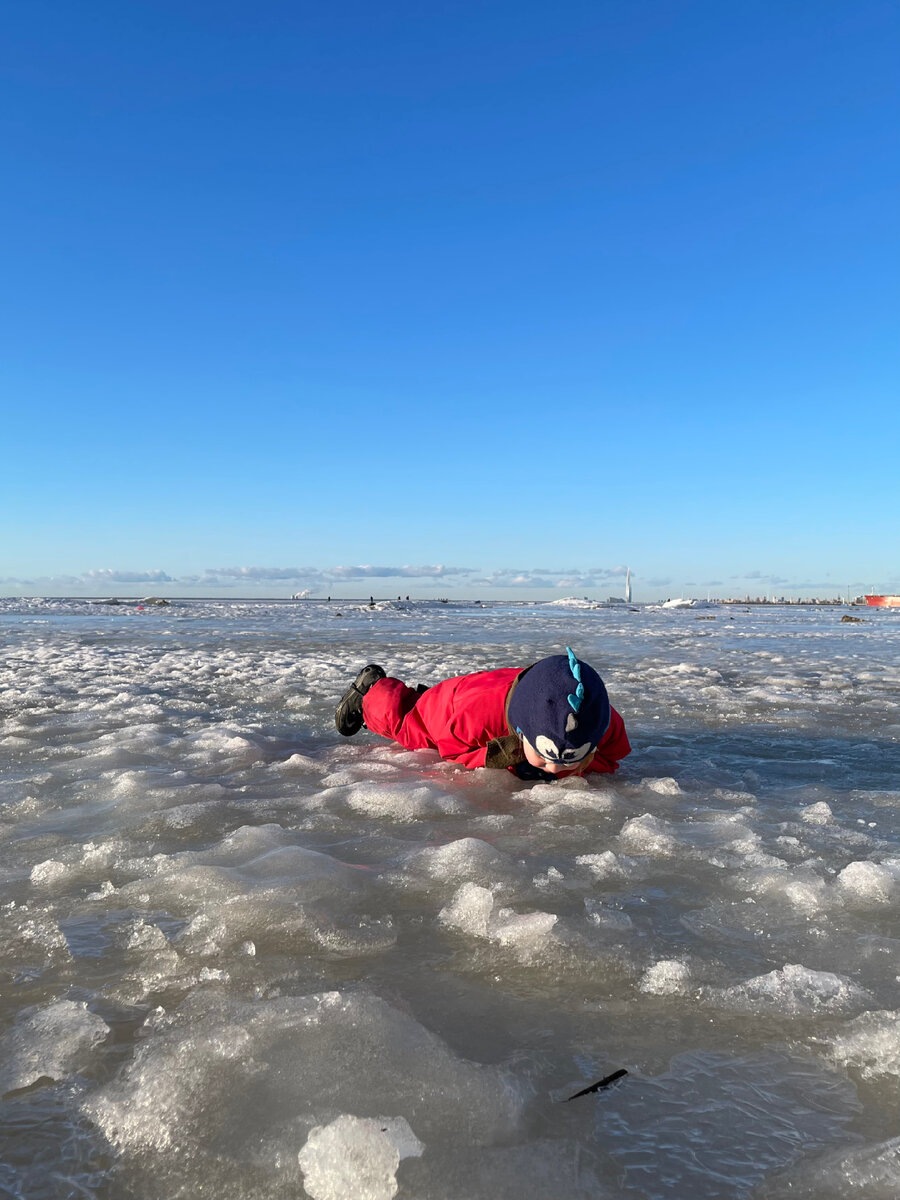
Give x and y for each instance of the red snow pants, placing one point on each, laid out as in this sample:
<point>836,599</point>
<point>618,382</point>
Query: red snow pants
<point>389,710</point>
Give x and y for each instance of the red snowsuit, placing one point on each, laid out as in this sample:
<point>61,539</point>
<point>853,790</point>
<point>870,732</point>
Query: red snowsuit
<point>465,720</point>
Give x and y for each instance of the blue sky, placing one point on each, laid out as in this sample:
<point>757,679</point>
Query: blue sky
<point>456,298</point>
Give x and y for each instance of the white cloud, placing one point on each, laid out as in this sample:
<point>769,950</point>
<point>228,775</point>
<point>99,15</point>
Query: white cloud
<point>406,572</point>
<point>43,581</point>
<point>319,579</point>
<point>761,577</point>
<point>538,577</point>
<point>257,573</point>
<point>324,580</point>
<point>106,575</point>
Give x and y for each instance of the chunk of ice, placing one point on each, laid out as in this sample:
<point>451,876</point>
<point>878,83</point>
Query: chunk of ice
<point>802,889</point>
<point>527,932</point>
<point>46,874</point>
<point>472,911</point>
<point>794,991</point>
<point>868,884</point>
<point>356,1158</point>
<point>52,1042</point>
<point>648,835</point>
<point>817,814</point>
<point>608,865</point>
<point>401,802</point>
<point>663,787</point>
<point>468,858</point>
<point>871,1043</point>
<point>667,977</point>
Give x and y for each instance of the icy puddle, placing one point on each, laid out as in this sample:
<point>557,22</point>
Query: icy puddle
<point>241,957</point>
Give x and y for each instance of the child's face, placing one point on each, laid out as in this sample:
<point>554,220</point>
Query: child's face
<point>548,764</point>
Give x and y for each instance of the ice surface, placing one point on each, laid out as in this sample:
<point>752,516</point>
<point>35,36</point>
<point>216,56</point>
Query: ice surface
<point>541,1169</point>
<point>326,929</point>
<point>400,802</point>
<point>256,885</point>
<point>356,1158</point>
<point>296,1062</point>
<point>573,791</point>
<point>714,1125</point>
<point>51,1042</point>
<point>862,1173</point>
<point>602,916</point>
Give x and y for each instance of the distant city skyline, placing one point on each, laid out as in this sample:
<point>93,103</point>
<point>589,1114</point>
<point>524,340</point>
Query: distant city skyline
<point>483,284</point>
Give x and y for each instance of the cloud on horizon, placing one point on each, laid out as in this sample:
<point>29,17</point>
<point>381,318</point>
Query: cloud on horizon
<point>43,580</point>
<point>768,580</point>
<point>109,576</point>
<point>326,580</point>
<point>545,577</point>
<point>318,579</point>
<point>366,572</point>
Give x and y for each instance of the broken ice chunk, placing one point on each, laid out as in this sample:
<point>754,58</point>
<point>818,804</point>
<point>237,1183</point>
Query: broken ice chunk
<point>356,1158</point>
<point>51,1042</point>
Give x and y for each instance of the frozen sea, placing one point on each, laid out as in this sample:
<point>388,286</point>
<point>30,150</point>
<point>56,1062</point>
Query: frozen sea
<point>241,957</point>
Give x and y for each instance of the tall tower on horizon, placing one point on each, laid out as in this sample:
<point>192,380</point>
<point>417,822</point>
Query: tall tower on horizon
<point>628,585</point>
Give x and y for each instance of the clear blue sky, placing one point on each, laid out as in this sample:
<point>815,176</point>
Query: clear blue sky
<point>531,290</point>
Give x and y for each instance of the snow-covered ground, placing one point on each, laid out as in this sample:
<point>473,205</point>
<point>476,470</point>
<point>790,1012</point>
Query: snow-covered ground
<point>240,956</point>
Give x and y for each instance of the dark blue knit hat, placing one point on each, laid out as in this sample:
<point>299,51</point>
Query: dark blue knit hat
<point>561,707</point>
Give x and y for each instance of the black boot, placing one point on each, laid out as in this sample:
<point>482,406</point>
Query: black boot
<point>348,716</point>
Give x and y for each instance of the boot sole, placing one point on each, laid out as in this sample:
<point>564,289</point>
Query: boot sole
<point>348,716</point>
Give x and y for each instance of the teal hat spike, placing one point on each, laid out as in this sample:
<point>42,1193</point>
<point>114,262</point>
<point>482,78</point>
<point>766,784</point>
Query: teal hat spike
<point>575,701</point>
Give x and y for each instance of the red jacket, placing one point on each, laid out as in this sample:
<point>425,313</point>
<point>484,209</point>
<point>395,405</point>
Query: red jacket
<point>464,719</point>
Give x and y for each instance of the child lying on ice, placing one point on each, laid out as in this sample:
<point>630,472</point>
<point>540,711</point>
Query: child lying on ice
<point>544,721</point>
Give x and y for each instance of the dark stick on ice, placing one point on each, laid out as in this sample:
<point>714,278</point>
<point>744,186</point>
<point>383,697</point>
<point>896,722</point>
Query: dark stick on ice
<point>595,1087</point>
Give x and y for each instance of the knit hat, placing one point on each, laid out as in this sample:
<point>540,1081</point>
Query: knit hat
<point>560,706</point>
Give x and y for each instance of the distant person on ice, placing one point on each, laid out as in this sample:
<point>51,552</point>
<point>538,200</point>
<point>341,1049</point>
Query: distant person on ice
<point>548,720</point>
